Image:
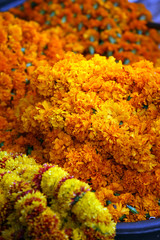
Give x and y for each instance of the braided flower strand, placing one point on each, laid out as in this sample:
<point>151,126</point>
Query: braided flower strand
<point>45,202</point>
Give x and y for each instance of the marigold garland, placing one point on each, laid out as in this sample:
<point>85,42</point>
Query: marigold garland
<point>31,211</point>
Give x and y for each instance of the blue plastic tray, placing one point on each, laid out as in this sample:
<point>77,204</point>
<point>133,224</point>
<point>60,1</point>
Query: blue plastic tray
<point>143,230</point>
<point>5,5</point>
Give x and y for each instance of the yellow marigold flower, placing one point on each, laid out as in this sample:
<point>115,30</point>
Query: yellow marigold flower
<point>78,126</point>
<point>5,87</point>
<point>29,206</point>
<point>27,171</point>
<point>45,225</point>
<point>102,229</point>
<point>49,184</point>
<point>88,212</point>
<point>42,81</point>
<point>94,215</point>
<point>3,207</point>
<point>78,234</point>
<point>10,232</point>
<point>71,192</point>
<point>9,179</point>
<point>57,118</point>
<point>17,160</point>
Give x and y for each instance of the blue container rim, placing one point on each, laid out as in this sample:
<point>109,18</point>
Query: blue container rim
<point>5,5</point>
<point>140,227</point>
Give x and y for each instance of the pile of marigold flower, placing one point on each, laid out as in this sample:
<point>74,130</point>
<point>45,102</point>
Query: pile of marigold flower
<point>96,118</point>
<point>100,121</point>
<point>45,202</point>
<point>107,27</point>
<point>22,45</point>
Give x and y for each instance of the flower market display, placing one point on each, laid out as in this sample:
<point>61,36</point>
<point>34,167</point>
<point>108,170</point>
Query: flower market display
<point>79,132</point>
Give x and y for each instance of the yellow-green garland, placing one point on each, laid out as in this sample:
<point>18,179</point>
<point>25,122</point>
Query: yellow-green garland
<point>45,202</point>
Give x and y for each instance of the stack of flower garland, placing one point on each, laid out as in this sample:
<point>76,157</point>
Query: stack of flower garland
<point>107,27</point>
<point>45,202</point>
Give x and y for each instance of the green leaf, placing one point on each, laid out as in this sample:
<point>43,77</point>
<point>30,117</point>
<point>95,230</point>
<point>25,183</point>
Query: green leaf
<point>64,19</point>
<point>42,11</point>
<point>21,8</point>
<point>28,64</point>
<point>33,4</point>
<point>129,98</point>
<point>52,14</point>
<point>91,50</point>
<point>94,111</point>
<point>8,130</point>
<point>126,61</point>
<point>122,217</point>
<point>76,199</point>
<point>29,150</point>
<point>108,202</point>
<point>147,215</point>
<point>47,22</point>
<point>45,47</point>
<point>121,122</point>
<point>132,209</point>
<point>145,106</point>
<point>111,39</point>
<point>27,82</point>
<point>23,49</point>
<point>116,194</point>
<point>1,144</point>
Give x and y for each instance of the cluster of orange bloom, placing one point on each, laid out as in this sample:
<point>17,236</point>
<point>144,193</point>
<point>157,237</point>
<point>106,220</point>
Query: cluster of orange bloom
<point>110,28</point>
<point>96,117</point>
